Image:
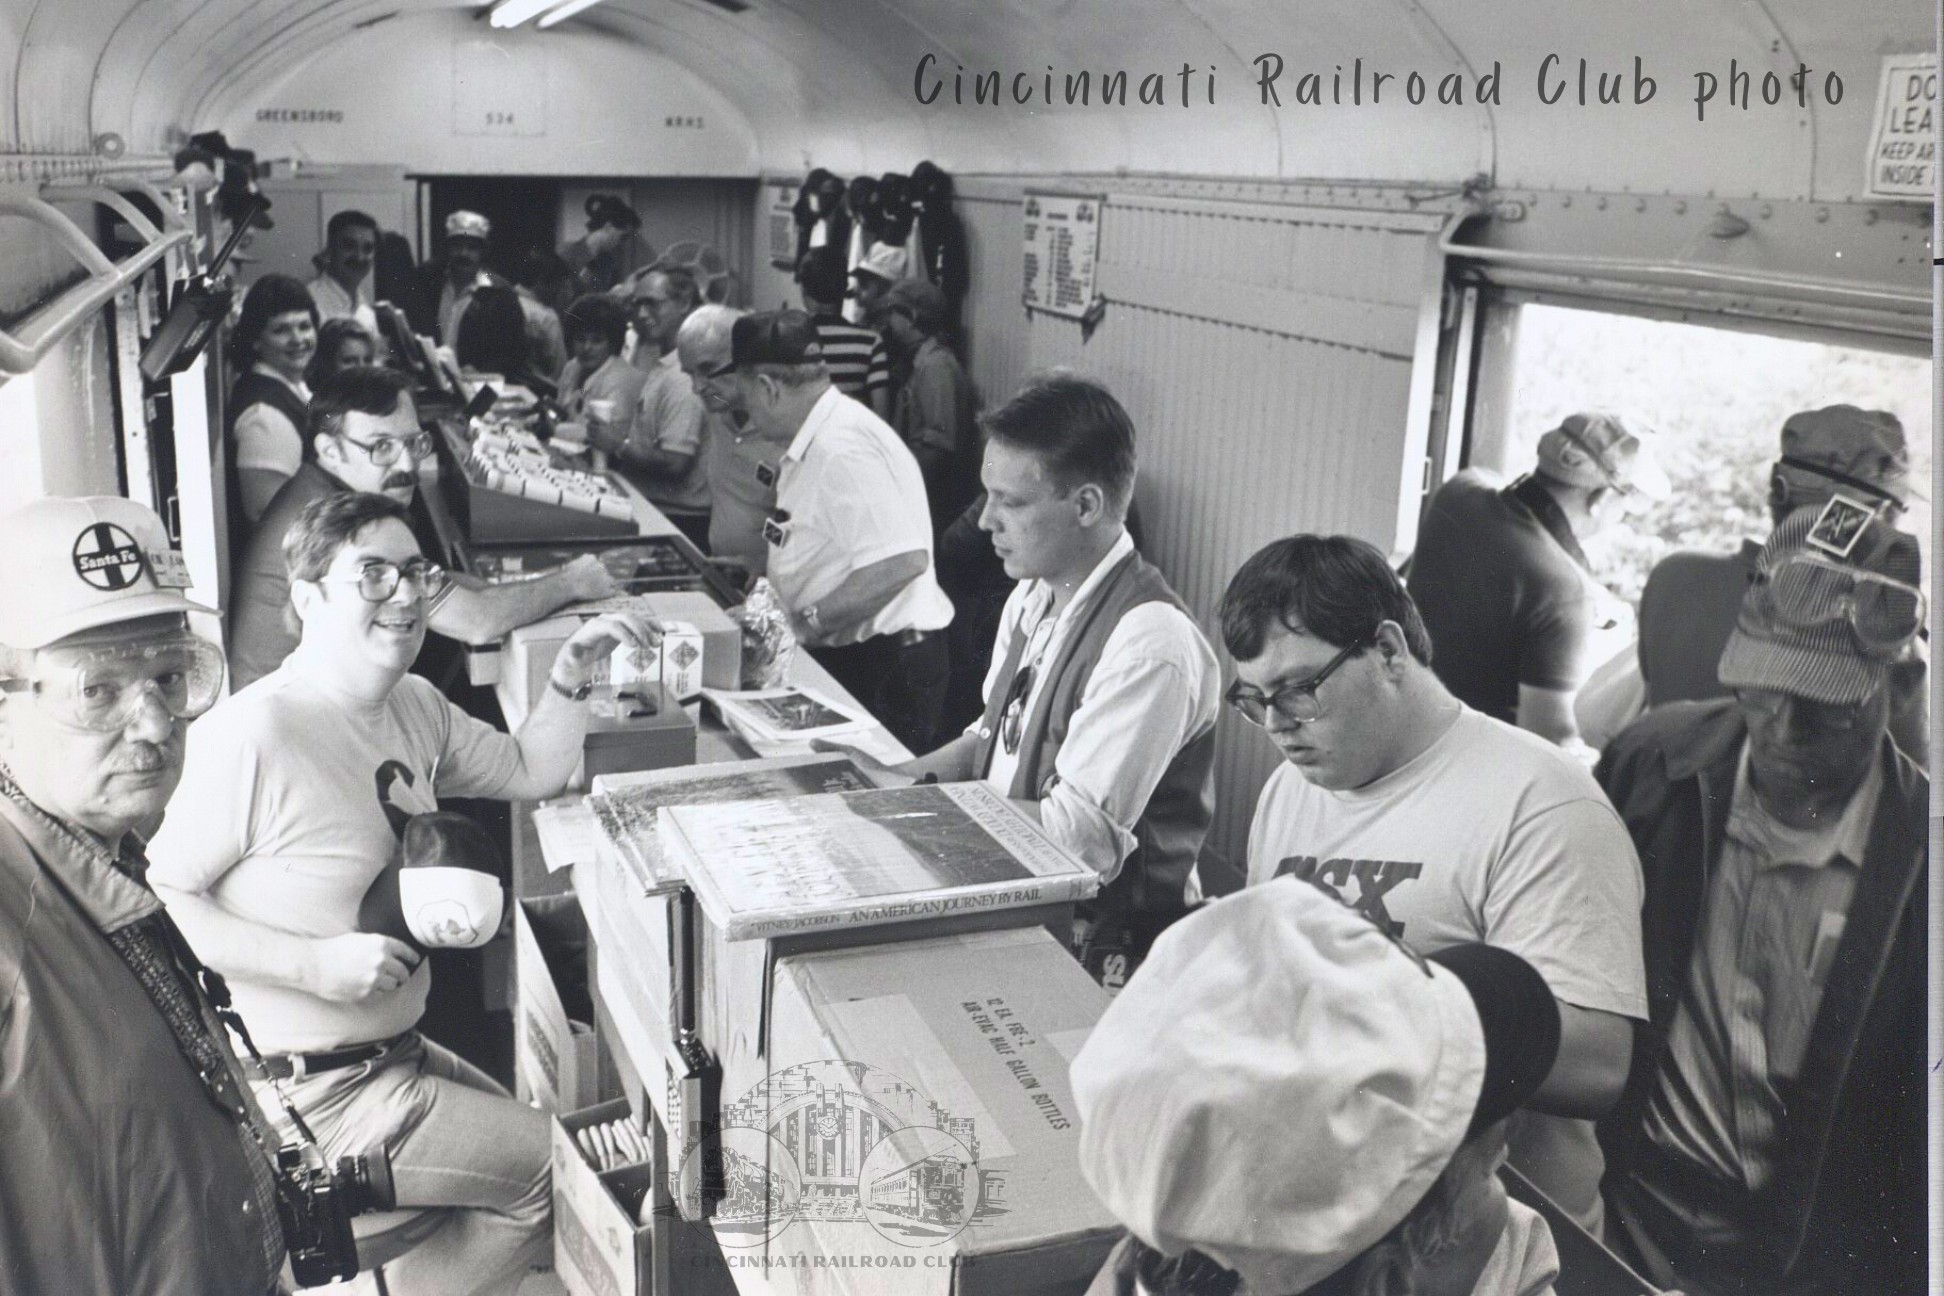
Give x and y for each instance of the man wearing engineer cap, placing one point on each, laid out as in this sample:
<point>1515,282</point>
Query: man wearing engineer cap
<point>1690,602</point>
<point>850,539</point>
<point>449,283</point>
<point>296,796</point>
<point>1285,1099</point>
<point>1771,1135</point>
<point>134,1160</point>
<point>1503,581</point>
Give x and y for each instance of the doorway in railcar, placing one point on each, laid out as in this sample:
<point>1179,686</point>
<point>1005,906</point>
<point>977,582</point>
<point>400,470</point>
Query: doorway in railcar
<point>1717,397</point>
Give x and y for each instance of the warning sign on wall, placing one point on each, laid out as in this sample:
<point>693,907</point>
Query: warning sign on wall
<point>1062,245</point>
<point>1903,138</point>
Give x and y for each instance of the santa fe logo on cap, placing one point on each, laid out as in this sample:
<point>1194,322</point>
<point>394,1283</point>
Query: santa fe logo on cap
<point>107,557</point>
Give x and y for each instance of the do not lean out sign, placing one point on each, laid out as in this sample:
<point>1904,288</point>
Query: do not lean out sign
<point>1903,136</point>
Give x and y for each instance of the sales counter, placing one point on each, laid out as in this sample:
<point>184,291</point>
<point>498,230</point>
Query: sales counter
<point>870,1110</point>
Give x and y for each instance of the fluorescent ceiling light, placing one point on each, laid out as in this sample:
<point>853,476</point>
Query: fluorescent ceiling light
<point>567,10</point>
<point>511,13</point>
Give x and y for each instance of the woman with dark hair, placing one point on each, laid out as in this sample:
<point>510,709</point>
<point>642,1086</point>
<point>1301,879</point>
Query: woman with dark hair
<point>342,343</point>
<point>492,336</point>
<point>597,384</point>
<point>270,348</point>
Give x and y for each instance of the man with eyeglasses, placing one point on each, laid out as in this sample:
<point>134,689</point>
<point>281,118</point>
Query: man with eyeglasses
<point>741,466</point>
<point>1100,704</point>
<point>1438,822</point>
<point>662,450</point>
<point>850,539</point>
<point>366,435</point>
<point>132,1158</point>
<point>294,799</point>
<point>1772,1135</point>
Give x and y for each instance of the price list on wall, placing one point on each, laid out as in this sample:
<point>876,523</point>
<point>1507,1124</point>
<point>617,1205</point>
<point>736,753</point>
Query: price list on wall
<point>1062,248</point>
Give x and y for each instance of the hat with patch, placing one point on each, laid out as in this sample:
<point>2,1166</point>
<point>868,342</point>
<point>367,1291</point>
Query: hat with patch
<point>1282,1081</point>
<point>884,262</point>
<point>785,337</point>
<point>74,564</point>
<point>468,224</point>
<point>1841,445</point>
<point>443,889</point>
<point>1595,450</point>
<point>1837,598</point>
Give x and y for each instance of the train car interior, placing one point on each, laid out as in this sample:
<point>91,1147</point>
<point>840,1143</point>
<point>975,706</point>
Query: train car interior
<point>1329,257</point>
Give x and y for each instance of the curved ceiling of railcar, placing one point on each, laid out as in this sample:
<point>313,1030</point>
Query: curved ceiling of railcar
<point>830,81</point>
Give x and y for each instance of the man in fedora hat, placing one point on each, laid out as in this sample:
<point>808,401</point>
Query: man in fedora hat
<point>1771,1135</point>
<point>135,1160</point>
<point>1503,582</point>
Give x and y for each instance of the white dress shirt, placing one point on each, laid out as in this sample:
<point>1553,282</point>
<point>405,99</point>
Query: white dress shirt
<point>848,494</point>
<point>1155,687</point>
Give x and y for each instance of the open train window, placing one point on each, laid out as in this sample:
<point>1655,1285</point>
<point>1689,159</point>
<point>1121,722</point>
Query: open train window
<point>1717,396</point>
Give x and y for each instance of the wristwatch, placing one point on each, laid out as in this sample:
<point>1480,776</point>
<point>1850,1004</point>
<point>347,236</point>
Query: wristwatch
<point>579,694</point>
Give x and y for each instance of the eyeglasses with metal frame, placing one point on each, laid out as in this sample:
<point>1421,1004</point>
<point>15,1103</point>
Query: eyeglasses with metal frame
<point>1296,703</point>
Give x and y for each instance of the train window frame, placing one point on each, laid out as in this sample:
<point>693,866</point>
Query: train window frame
<point>1482,372</point>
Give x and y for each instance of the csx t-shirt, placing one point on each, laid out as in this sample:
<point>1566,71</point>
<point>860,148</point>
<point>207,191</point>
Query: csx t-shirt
<point>1491,834</point>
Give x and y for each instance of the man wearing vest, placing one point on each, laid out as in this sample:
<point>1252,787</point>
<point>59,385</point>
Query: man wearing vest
<point>1101,701</point>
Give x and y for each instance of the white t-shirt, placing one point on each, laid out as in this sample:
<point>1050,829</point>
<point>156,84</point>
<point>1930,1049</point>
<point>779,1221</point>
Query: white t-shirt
<point>854,496</point>
<point>291,803</point>
<point>1491,834</point>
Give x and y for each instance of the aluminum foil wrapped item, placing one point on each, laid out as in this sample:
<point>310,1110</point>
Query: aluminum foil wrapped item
<point>768,643</point>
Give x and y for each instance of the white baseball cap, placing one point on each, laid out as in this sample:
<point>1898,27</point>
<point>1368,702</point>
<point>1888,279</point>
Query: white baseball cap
<point>73,564</point>
<point>1281,1082</point>
<point>885,262</point>
<point>468,224</point>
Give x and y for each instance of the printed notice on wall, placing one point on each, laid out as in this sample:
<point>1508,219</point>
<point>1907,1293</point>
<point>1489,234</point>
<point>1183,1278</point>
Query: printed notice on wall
<point>1903,141</point>
<point>496,91</point>
<point>1062,245</point>
<point>782,226</point>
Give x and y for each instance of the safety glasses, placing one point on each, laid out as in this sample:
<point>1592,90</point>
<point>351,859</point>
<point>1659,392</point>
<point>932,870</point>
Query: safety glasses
<point>103,688</point>
<point>1804,591</point>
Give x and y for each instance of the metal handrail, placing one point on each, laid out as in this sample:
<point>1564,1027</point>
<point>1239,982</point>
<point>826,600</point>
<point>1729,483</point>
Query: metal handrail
<point>1569,263</point>
<point>27,343</point>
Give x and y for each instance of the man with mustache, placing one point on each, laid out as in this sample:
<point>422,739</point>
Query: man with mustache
<point>342,289</point>
<point>135,1160</point>
<point>366,433</point>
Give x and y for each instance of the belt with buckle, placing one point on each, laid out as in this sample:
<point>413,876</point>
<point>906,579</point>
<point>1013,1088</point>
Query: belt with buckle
<point>911,638</point>
<point>295,1066</point>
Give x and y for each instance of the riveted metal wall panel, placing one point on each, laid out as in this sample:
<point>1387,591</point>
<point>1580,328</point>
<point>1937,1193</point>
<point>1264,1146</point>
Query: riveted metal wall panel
<point>1270,386</point>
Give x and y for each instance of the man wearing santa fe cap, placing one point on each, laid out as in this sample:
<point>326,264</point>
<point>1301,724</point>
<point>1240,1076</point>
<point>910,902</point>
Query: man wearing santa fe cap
<point>134,1159</point>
